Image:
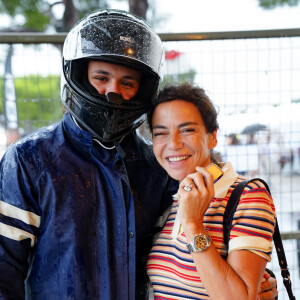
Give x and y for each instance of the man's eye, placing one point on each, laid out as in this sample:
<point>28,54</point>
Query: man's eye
<point>187,130</point>
<point>128,84</point>
<point>101,78</point>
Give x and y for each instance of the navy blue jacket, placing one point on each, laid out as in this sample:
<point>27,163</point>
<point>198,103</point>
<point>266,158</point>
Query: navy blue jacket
<point>76,221</point>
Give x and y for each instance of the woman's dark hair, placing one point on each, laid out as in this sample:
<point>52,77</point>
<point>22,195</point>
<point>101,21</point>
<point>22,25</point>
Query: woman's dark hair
<point>189,93</point>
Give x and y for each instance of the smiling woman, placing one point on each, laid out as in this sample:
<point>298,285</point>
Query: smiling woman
<point>186,116</point>
<point>179,123</point>
<point>189,264</point>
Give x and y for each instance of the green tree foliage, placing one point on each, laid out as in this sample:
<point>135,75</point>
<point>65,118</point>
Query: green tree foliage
<point>39,15</point>
<point>38,101</point>
<point>271,4</point>
<point>34,12</point>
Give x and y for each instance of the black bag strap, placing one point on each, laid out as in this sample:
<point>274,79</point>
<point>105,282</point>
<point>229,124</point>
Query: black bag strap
<point>227,224</point>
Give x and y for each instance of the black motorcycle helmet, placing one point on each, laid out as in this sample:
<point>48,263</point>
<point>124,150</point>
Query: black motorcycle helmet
<point>116,37</point>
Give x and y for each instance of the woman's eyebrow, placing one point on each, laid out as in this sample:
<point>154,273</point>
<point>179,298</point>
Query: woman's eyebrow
<point>179,126</point>
<point>187,124</point>
<point>159,127</point>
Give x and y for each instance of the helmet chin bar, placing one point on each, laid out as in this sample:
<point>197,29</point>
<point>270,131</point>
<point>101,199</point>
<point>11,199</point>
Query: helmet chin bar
<point>115,98</point>
<point>106,124</point>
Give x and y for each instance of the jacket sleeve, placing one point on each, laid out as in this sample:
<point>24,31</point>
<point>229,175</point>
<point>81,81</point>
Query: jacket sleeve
<point>19,224</point>
<point>170,189</point>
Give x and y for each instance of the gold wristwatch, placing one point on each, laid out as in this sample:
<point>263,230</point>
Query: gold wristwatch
<point>200,243</point>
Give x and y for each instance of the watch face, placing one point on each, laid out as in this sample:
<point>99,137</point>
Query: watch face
<point>201,242</point>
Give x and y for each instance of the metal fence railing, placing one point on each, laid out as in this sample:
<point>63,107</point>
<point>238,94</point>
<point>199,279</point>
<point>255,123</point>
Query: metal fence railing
<point>252,76</point>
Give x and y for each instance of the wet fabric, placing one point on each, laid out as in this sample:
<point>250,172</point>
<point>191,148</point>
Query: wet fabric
<point>75,220</point>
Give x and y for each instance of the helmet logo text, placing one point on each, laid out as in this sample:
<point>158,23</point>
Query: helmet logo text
<point>126,39</point>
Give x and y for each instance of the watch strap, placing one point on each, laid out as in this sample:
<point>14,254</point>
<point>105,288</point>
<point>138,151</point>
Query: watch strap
<point>192,245</point>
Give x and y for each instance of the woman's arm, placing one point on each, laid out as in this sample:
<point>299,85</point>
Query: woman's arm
<point>240,276</point>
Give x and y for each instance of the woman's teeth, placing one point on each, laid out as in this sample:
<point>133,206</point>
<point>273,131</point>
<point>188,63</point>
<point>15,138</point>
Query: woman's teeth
<point>177,158</point>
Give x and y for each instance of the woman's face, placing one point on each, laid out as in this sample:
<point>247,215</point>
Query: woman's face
<point>180,139</point>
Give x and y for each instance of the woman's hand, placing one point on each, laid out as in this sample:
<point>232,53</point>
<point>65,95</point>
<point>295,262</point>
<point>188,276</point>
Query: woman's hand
<point>267,290</point>
<point>194,203</point>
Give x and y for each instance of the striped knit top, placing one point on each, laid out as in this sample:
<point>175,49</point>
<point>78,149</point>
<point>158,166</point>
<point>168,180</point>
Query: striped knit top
<point>170,266</point>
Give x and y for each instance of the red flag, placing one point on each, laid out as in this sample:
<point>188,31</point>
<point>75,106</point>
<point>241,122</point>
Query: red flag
<point>172,54</point>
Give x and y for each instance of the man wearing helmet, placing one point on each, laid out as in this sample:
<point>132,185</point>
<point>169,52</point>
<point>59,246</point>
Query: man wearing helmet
<point>79,199</point>
<point>119,39</point>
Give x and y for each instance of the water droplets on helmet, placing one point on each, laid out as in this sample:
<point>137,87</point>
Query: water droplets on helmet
<point>116,37</point>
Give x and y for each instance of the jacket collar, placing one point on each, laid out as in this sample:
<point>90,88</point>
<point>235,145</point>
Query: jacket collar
<point>83,141</point>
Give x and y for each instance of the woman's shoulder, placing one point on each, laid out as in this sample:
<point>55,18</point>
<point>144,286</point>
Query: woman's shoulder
<point>252,184</point>
<point>254,191</point>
